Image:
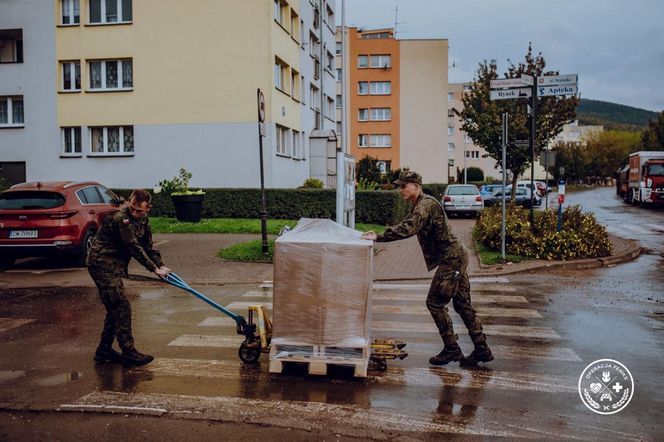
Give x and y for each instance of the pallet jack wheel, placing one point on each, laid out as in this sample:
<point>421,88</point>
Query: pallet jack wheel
<point>250,352</point>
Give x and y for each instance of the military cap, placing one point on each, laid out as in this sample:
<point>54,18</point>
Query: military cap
<point>408,176</point>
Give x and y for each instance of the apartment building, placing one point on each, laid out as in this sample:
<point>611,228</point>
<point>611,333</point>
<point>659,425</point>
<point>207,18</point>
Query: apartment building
<point>397,100</point>
<point>463,153</point>
<point>131,91</point>
<point>575,133</point>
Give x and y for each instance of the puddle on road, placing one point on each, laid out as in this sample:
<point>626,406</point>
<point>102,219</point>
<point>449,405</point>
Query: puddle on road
<point>59,379</point>
<point>151,295</point>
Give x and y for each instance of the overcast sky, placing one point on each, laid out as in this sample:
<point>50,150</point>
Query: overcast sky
<point>616,46</point>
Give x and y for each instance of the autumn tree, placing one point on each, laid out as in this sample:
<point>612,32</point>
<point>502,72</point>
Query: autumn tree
<point>652,137</point>
<point>481,117</point>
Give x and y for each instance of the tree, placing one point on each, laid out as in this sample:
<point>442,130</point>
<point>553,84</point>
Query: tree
<point>368,170</point>
<point>473,174</point>
<point>652,137</point>
<point>481,117</point>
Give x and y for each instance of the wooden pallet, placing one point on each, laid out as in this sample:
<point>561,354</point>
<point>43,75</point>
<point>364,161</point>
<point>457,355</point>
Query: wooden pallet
<point>319,357</point>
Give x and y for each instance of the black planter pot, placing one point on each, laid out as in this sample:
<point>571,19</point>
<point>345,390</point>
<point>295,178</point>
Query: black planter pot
<point>188,207</point>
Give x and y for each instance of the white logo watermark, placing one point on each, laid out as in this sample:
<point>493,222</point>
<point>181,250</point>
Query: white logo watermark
<point>606,386</point>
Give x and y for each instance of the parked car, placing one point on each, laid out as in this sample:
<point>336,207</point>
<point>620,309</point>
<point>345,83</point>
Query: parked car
<point>488,189</point>
<point>526,184</point>
<point>45,218</point>
<point>462,199</point>
<point>522,197</point>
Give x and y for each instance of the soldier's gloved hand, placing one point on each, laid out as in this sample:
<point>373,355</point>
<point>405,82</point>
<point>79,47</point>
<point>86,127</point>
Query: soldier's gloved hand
<point>162,271</point>
<point>370,235</point>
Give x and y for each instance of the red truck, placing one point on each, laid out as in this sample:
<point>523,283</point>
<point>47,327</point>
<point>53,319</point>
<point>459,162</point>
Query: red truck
<point>646,178</point>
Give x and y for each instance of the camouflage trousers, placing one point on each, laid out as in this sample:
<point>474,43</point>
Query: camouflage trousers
<point>451,283</point>
<point>118,310</point>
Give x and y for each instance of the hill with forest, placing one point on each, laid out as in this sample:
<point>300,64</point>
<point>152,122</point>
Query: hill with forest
<point>613,115</point>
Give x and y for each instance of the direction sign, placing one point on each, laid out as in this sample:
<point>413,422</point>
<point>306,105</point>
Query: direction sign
<point>509,82</point>
<point>527,79</point>
<point>547,91</point>
<point>505,94</point>
<point>549,80</point>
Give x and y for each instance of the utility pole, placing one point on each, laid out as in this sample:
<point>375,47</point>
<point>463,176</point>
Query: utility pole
<point>533,129</point>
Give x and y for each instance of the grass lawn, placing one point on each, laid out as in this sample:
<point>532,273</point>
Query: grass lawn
<point>491,257</point>
<point>234,225</point>
<point>248,251</point>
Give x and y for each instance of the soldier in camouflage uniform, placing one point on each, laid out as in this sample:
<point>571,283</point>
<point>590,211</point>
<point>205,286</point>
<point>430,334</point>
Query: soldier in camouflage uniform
<point>441,249</point>
<point>124,234</point>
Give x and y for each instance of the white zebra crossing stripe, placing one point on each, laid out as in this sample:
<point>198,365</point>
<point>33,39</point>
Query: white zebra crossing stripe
<point>7,324</point>
<point>344,420</point>
<point>526,313</point>
<point>498,330</point>
<point>491,288</point>
<point>238,306</point>
<point>218,321</point>
<point>256,294</point>
<point>518,352</point>
<point>207,341</point>
<point>476,298</point>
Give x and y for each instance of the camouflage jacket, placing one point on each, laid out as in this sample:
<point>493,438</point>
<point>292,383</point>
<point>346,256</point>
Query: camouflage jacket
<point>122,237</point>
<point>427,220</point>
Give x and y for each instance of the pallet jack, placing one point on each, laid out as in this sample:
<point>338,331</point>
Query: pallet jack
<point>257,331</point>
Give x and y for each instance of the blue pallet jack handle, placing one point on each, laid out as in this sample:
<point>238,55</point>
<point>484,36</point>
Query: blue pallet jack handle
<point>242,327</point>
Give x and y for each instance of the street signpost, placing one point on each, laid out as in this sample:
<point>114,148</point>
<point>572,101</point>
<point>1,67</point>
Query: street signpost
<point>548,91</point>
<point>261,133</point>
<point>544,86</point>
<point>548,80</point>
<point>506,94</point>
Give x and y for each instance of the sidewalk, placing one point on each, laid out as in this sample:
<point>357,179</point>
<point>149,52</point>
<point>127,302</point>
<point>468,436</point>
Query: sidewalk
<point>403,260</point>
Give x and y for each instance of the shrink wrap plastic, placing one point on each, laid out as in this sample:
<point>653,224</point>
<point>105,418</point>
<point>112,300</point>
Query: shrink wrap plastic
<point>322,281</point>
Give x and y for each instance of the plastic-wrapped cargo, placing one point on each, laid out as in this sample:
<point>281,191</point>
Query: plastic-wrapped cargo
<point>321,303</point>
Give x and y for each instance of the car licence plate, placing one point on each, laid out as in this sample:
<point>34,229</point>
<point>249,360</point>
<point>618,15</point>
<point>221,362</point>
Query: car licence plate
<point>15,234</point>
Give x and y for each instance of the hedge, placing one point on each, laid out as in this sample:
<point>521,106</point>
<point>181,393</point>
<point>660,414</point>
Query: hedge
<point>375,207</point>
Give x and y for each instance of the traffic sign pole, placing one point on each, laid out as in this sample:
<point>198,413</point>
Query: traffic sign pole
<point>533,127</point>
<point>263,212</point>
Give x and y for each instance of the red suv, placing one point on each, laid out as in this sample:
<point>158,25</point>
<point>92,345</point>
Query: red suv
<point>42,218</point>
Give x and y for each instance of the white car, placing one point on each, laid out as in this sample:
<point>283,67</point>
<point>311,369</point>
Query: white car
<point>462,199</point>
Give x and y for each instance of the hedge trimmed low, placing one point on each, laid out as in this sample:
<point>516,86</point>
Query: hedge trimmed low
<point>374,207</point>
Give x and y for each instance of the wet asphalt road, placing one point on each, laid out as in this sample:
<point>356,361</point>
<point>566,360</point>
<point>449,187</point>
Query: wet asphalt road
<point>544,330</point>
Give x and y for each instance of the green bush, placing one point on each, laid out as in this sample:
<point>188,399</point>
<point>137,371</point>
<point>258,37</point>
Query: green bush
<point>312,183</point>
<point>473,174</point>
<point>374,207</point>
<point>581,235</point>
<point>434,189</point>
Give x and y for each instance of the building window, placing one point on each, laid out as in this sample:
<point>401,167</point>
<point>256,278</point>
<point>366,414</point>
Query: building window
<point>70,12</point>
<point>314,97</point>
<point>71,75</point>
<point>303,92</point>
<point>466,139</point>
<point>384,166</point>
<point>381,114</point>
<point>474,154</point>
<point>329,16</point>
<point>330,108</point>
<point>339,48</point>
<point>111,74</point>
<point>338,127</point>
<point>295,25</point>
<point>363,87</point>
<point>316,18</point>
<point>112,140</point>
<point>330,61</point>
<point>11,111</point>
<point>362,61</point>
<point>297,145</point>
<point>280,75</point>
<point>295,87</point>
<point>363,115</point>
<point>380,88</point>
<point>339,75</point>
<point>450,130</point>
<point>71,140</point>
<point>450,96</point>
<point>450,113</point>
<point>377,36</point>
<point>362,140</point>
<point>339,101</point>
<point>110,11</point>
<point>314,46</point>
<point>381,140</point>
<point>11,45</point>
<point>282,138</point>
<point>450,147</point>
<point>381,61</point>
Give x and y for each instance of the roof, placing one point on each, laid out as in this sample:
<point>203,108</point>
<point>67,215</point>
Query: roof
<point>50,185</point>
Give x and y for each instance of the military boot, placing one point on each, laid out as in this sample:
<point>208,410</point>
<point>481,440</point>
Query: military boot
<point>449,354</point>
<point>107,354</point>
<point>482,353</point>
<point>133,357</point>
